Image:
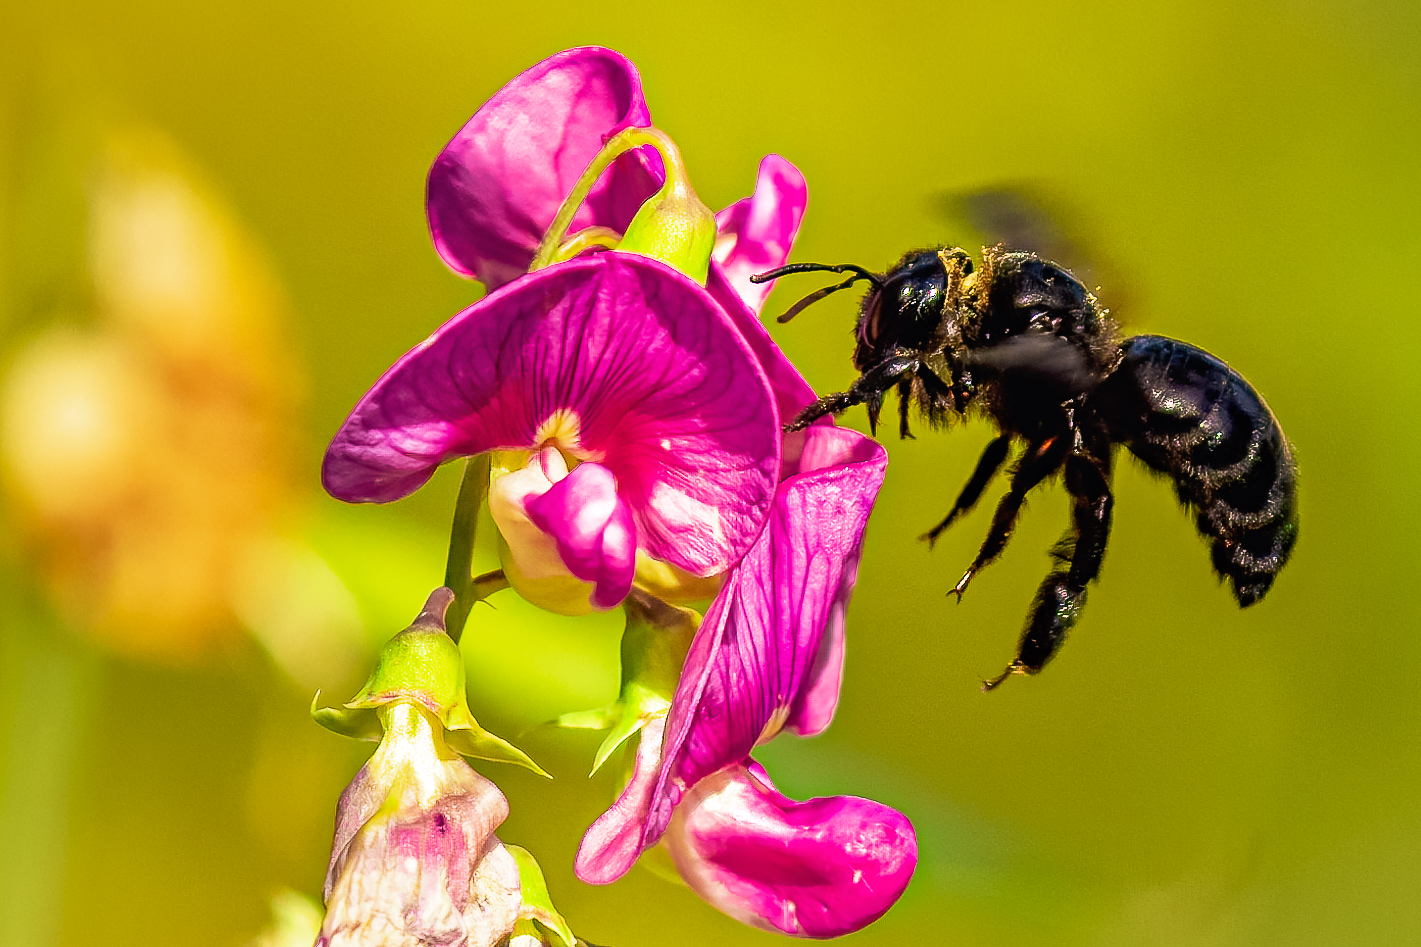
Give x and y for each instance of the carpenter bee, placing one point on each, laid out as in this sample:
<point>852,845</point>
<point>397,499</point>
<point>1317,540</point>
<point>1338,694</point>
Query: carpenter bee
<point>1024,343</point>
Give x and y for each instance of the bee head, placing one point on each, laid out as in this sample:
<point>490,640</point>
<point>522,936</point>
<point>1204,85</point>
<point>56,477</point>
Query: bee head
<point>902,309</point>
<point>903,312</point>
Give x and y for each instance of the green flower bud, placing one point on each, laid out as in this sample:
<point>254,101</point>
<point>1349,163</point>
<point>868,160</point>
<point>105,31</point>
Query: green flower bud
<point>422,665</point>
<point>654,646</point>
<point>673,226</point>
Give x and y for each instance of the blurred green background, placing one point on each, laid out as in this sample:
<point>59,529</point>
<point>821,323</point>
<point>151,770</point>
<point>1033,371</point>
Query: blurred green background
<point>175,586</point>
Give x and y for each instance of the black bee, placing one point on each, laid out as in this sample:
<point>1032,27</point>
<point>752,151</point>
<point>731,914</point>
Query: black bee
<point>1022,342</point>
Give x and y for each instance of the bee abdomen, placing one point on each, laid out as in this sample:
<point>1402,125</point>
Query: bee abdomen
<point>1188,415</point>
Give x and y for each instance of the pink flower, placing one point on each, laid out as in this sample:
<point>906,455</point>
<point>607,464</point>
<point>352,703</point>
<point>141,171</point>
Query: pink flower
<point>615,361</point>
<point>622,365</point>
<point>768,657</point>
<point>415,858</point>
<point>495,188</point>
<point>672,394</point>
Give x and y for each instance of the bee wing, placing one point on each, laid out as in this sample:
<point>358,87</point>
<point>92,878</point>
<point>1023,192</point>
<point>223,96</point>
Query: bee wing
<point>1046,359</point>
<point>1027,215</point>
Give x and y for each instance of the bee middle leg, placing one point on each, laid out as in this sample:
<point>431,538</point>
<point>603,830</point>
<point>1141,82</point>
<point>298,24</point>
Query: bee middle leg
<point>987,466</point>
<point>1040,460</point>
<point>1062,594</point>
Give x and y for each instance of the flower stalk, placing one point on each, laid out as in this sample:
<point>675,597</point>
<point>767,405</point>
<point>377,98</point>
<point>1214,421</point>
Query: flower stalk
<point>673,226</point>
<point>463,533</point>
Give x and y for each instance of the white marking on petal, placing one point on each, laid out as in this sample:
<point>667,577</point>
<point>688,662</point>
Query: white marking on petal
<point>685,514</point>
<point>533,551</point>
<point>528,555</point>
<point>774,725</point>
<point>561,429</point>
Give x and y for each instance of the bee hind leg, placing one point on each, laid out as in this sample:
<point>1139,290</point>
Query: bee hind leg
<point>1053,615</point>
<point>1062,594</point>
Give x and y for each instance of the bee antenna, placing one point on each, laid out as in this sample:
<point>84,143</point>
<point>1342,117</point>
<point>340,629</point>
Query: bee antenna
<point>857,273</point>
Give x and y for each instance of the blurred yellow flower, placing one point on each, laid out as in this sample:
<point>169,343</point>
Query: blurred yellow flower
<point>144,445</point>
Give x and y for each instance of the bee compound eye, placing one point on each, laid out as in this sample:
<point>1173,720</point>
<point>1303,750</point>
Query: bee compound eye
<point>871,326</point>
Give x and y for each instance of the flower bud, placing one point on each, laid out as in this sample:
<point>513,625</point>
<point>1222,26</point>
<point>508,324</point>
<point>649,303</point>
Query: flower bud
<point>422,665</point>
<point>415,858</point>
<point>672,226</point>
<point>675,228</point>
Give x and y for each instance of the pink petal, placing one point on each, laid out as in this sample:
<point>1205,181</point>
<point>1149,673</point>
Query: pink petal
<point>613,843</point>
<point>593,530</point>
<point>820,868</point>
<point>756,661</point>
<point>792,392</point>
<point>496,187</point>
<point>756,233</point>
<point>661,389</point>
<point>814,705</point>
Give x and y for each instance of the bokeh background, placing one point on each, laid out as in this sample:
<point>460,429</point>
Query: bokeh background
<point>212,241</point>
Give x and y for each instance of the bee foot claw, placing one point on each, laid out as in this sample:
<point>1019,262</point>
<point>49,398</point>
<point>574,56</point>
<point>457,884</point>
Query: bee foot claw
<point>1015,667</point>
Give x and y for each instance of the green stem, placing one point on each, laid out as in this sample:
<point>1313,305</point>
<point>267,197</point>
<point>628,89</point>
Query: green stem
<point>47,693</point>
<point>485,585</point>
<point>622,142</point>
<point>591,237</point>
<point>458,574</point>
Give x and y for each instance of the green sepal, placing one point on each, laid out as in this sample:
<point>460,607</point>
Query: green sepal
<point>356,724</point>
<point>423,665</point>
<point>599,719</point>
<point>654,647</point>
<point>537,903</point>
<point>525,927</point>
<point>639,706</point>
<point>474,741</point>
<point>655,643</point>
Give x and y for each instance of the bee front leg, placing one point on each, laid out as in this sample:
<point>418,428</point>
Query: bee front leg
<point>905,401</point>
<point>871,383</point>
<point>827,404</point>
